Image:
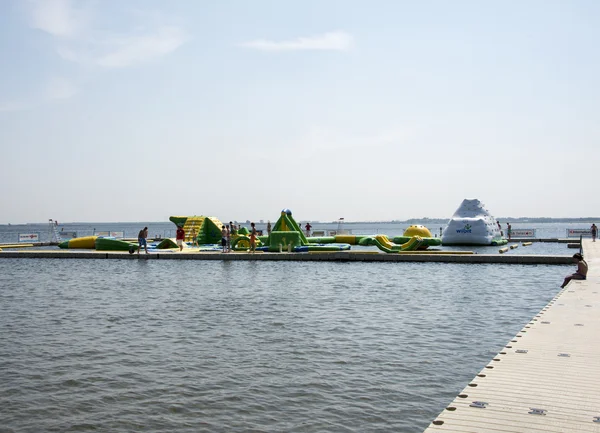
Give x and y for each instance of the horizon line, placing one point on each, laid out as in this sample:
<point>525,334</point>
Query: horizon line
<point>313,221</point>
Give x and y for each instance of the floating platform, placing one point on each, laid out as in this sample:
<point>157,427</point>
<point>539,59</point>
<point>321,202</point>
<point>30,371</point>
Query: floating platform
<point>338,256</point>
<point>545,380</point>
<point>554,240</point>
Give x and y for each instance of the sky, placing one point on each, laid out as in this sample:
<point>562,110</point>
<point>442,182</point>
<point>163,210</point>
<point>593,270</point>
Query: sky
<point>136,110</point>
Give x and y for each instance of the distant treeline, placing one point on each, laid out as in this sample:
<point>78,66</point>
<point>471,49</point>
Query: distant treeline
<point>501,219</point>
<point>549,220</point>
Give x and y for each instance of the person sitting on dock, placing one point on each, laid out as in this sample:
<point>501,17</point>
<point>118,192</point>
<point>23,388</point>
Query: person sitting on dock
<point>581,273</point>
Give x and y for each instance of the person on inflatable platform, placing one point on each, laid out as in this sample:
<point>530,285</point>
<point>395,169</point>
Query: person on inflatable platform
<point>307,227</point>
<point>228,237</point>
<point>253,238</point>
<point>142,235</point>
<point>180,237</point>
<point>224,238</point>
<point>194,238</point>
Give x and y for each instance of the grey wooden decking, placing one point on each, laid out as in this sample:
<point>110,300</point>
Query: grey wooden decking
<point>546,378</point>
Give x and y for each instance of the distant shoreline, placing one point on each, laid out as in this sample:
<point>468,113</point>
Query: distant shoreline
<point>510,220</point>
<point>519,220</point>
<point>445,221</point>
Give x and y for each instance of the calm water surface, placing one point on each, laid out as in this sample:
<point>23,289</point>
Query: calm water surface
<point>192,346</point>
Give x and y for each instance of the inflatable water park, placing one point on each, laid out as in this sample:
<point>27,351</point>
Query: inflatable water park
<point>287,235</point>
<point>471,224</point>
<point>203,233</point>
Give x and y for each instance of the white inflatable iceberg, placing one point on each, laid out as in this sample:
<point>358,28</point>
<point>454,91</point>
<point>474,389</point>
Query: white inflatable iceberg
<point>472,224</point>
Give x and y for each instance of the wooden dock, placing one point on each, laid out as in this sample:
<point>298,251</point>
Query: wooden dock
<point>342,256</point>
<point>547,378</point>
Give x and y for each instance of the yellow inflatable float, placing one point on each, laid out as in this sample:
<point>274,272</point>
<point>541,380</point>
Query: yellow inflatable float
<point>84,243</point>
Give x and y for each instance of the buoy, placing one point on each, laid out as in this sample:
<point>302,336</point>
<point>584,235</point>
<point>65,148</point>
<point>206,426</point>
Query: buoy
<point>526,244</point>
<point>513,246</point>
<point>503,250</point>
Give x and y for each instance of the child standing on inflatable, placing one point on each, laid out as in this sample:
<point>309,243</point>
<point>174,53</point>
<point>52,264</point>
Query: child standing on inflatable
<point>180,237</point>
<point>581,273</point>
<point>194,238</point>
<point>307,227</point>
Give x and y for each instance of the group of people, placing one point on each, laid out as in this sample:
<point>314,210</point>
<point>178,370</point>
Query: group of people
<point>508,229</point>
<point>229,230</point>
<point>226,232</point>
<point>179,238</point>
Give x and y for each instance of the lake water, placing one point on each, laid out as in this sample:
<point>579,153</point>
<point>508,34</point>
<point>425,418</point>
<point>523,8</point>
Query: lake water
<point>194,346</point>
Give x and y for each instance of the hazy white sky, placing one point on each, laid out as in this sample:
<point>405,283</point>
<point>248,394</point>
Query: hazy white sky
<point>139,109</point>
